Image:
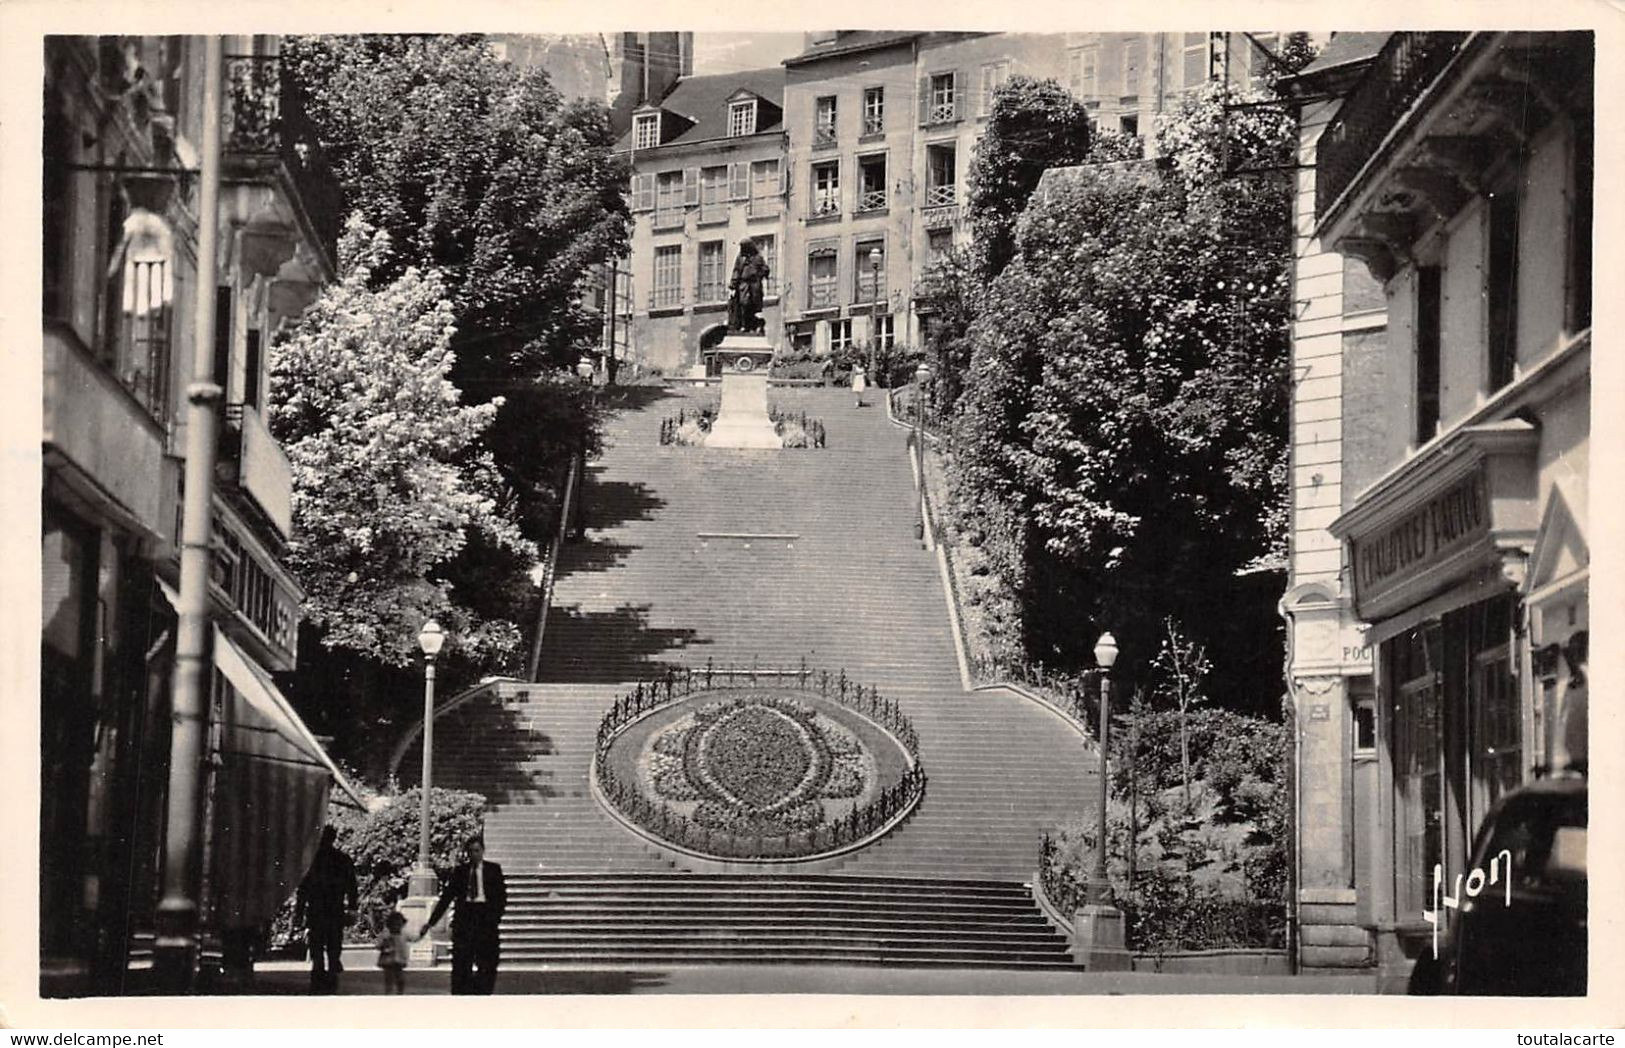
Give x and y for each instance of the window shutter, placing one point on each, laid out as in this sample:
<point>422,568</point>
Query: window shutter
<point>925,100</point>
<point>691,187</point>
<point>739,181</point>
<point>643,192</point>
<point>960,108</point>
<point>784,179</point>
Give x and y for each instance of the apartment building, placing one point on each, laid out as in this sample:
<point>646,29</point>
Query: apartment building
<point>707,171</point>
<point>123,123</point>
<point>1129,79</point>
<point>1440,470</point>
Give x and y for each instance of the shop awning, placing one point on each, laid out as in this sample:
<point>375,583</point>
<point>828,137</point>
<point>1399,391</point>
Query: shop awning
<point>271,785</point>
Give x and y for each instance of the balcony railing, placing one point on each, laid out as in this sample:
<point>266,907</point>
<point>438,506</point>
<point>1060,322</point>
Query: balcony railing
<point>825,207</point>
<point>713,214</point>
<point>943,112</point>
<point>264,116</point>
<point>873,125</point>
<point>939,196</point>
<point>666,298</point>
<point>670,219</point>
<point>1398,76</point>
<point>872,200</point>
<point>765,207</point>
<point>710,293</point>
<point>823,296</point>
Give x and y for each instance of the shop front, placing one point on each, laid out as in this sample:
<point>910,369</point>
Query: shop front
<point>1465,564</point>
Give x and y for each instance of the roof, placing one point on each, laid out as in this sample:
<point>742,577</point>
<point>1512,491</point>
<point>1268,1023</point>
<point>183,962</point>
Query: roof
<point>704,100</point>
<point>1345,49</point>
<point>848,42</point>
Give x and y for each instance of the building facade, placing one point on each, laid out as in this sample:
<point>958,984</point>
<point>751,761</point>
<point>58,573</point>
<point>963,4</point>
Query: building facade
<point>1458,173</point>
<point>123,127</point>
<point>707,171</point>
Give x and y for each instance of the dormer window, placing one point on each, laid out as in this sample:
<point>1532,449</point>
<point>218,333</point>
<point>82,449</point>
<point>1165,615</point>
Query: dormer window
<point>742,118</point>
<point>646,131</point>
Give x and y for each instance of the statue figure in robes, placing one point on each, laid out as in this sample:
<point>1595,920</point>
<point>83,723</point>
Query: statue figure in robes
<point>745,302</point>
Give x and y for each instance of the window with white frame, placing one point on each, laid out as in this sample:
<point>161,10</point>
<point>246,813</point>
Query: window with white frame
<point>872,182</point>
<point>885,331</point>
<point>822,292</point>
<point>742,118</point>
<point>668,289</point>
<point>713,193</point>
<point>669,191</point>
<point>874,110</point>
<point>840,334</point>
<point>994,74</point>
<point>764,179</point>
<point>944,99</point>
<point>940,174</point>
<point>824,121</point>
<point>710,284</point>
<point>646,131</point>
<point>826,182</point>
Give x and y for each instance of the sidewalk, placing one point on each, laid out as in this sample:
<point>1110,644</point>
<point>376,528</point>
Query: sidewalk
<point>290,978</point>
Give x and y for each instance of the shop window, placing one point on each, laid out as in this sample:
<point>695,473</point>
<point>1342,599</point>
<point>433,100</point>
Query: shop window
<point>1418,727</point>
<point>1502,287</point>
<point>840,334</point>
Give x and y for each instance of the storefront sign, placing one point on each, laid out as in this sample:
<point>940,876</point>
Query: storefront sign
<point>1422,538</point>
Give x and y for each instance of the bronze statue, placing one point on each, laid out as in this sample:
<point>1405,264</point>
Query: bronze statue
<point>745,304</point>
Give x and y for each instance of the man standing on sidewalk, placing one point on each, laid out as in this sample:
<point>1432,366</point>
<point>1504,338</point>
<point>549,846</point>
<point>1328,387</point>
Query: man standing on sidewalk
<point>481,896</point>
<point>327,902</point>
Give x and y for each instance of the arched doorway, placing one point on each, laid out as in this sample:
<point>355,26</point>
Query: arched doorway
<point>711,337</point>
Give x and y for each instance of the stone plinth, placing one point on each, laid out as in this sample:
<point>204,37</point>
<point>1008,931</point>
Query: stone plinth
<point>742,421</point>
<point>1098,935</point>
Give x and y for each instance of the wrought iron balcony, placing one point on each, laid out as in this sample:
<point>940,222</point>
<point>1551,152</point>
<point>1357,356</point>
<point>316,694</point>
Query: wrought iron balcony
<point>823,296</point>
<point>666,298</point>
<point>872,200</point>
<point>713,214</point>
<point>1406,66</point>
<point>670,218</point>
<point>873,124</point>
<point>710,293</point>
<point>945,112</point>
<point>940,196</point>
<point>265,120</point>
<point>823,138</point>
<point>825,207</point>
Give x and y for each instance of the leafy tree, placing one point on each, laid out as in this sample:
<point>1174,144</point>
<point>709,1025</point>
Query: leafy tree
<point>1121,442</point>
<point>389,480</point>
<point>479,169</point>
<point>1033,125</point>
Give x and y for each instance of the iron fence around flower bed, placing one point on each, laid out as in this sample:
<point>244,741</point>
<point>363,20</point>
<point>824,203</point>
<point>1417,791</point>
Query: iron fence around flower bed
<point>860,823</point>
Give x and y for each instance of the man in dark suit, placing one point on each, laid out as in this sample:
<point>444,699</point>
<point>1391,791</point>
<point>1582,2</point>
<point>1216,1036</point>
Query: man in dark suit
<point>327,902</point>
<point>481,895</point>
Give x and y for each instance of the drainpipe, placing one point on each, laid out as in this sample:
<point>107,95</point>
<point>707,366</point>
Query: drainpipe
<point>178,911</point>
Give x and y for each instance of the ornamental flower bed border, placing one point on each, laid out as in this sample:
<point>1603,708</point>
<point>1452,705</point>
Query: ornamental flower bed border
<point>660,820</point>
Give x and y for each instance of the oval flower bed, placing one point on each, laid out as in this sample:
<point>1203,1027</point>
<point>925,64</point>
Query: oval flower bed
<point>758,773</point>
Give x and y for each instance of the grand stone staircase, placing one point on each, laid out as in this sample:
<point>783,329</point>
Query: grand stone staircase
<point>730,557</point>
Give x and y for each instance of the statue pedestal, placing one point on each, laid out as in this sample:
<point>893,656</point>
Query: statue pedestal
<point>742,421</point>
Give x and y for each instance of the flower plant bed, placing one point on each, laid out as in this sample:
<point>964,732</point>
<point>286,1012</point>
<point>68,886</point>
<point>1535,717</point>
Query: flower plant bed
<point>765,772</point>
<point>691,428</point>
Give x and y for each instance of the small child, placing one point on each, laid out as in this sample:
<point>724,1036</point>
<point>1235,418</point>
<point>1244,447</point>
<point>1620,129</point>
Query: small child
<point>394,950</point>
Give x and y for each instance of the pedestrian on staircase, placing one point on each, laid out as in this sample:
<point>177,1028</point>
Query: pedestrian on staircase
<point>480,896</point>
<point>858,382</point>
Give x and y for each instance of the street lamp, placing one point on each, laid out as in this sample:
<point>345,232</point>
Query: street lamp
<point>1105,657</point>
<point>430,638</point>
<point>921,374</point>
<point>584,369</point>
<point>875,258</point>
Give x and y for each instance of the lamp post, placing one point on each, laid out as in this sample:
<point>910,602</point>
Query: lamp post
<point>921,374</point>
<point>1099,924</point>
<point>584,369</point>
<point>423,882</point>
<point>1105,657</point>
<point>875,258</point>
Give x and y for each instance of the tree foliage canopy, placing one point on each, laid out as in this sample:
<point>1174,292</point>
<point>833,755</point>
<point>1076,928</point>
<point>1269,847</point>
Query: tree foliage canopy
<point>389,480</point>
<point>1120,447</point>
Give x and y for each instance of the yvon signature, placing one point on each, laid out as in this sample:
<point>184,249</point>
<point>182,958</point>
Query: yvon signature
<point>1476,880</point>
